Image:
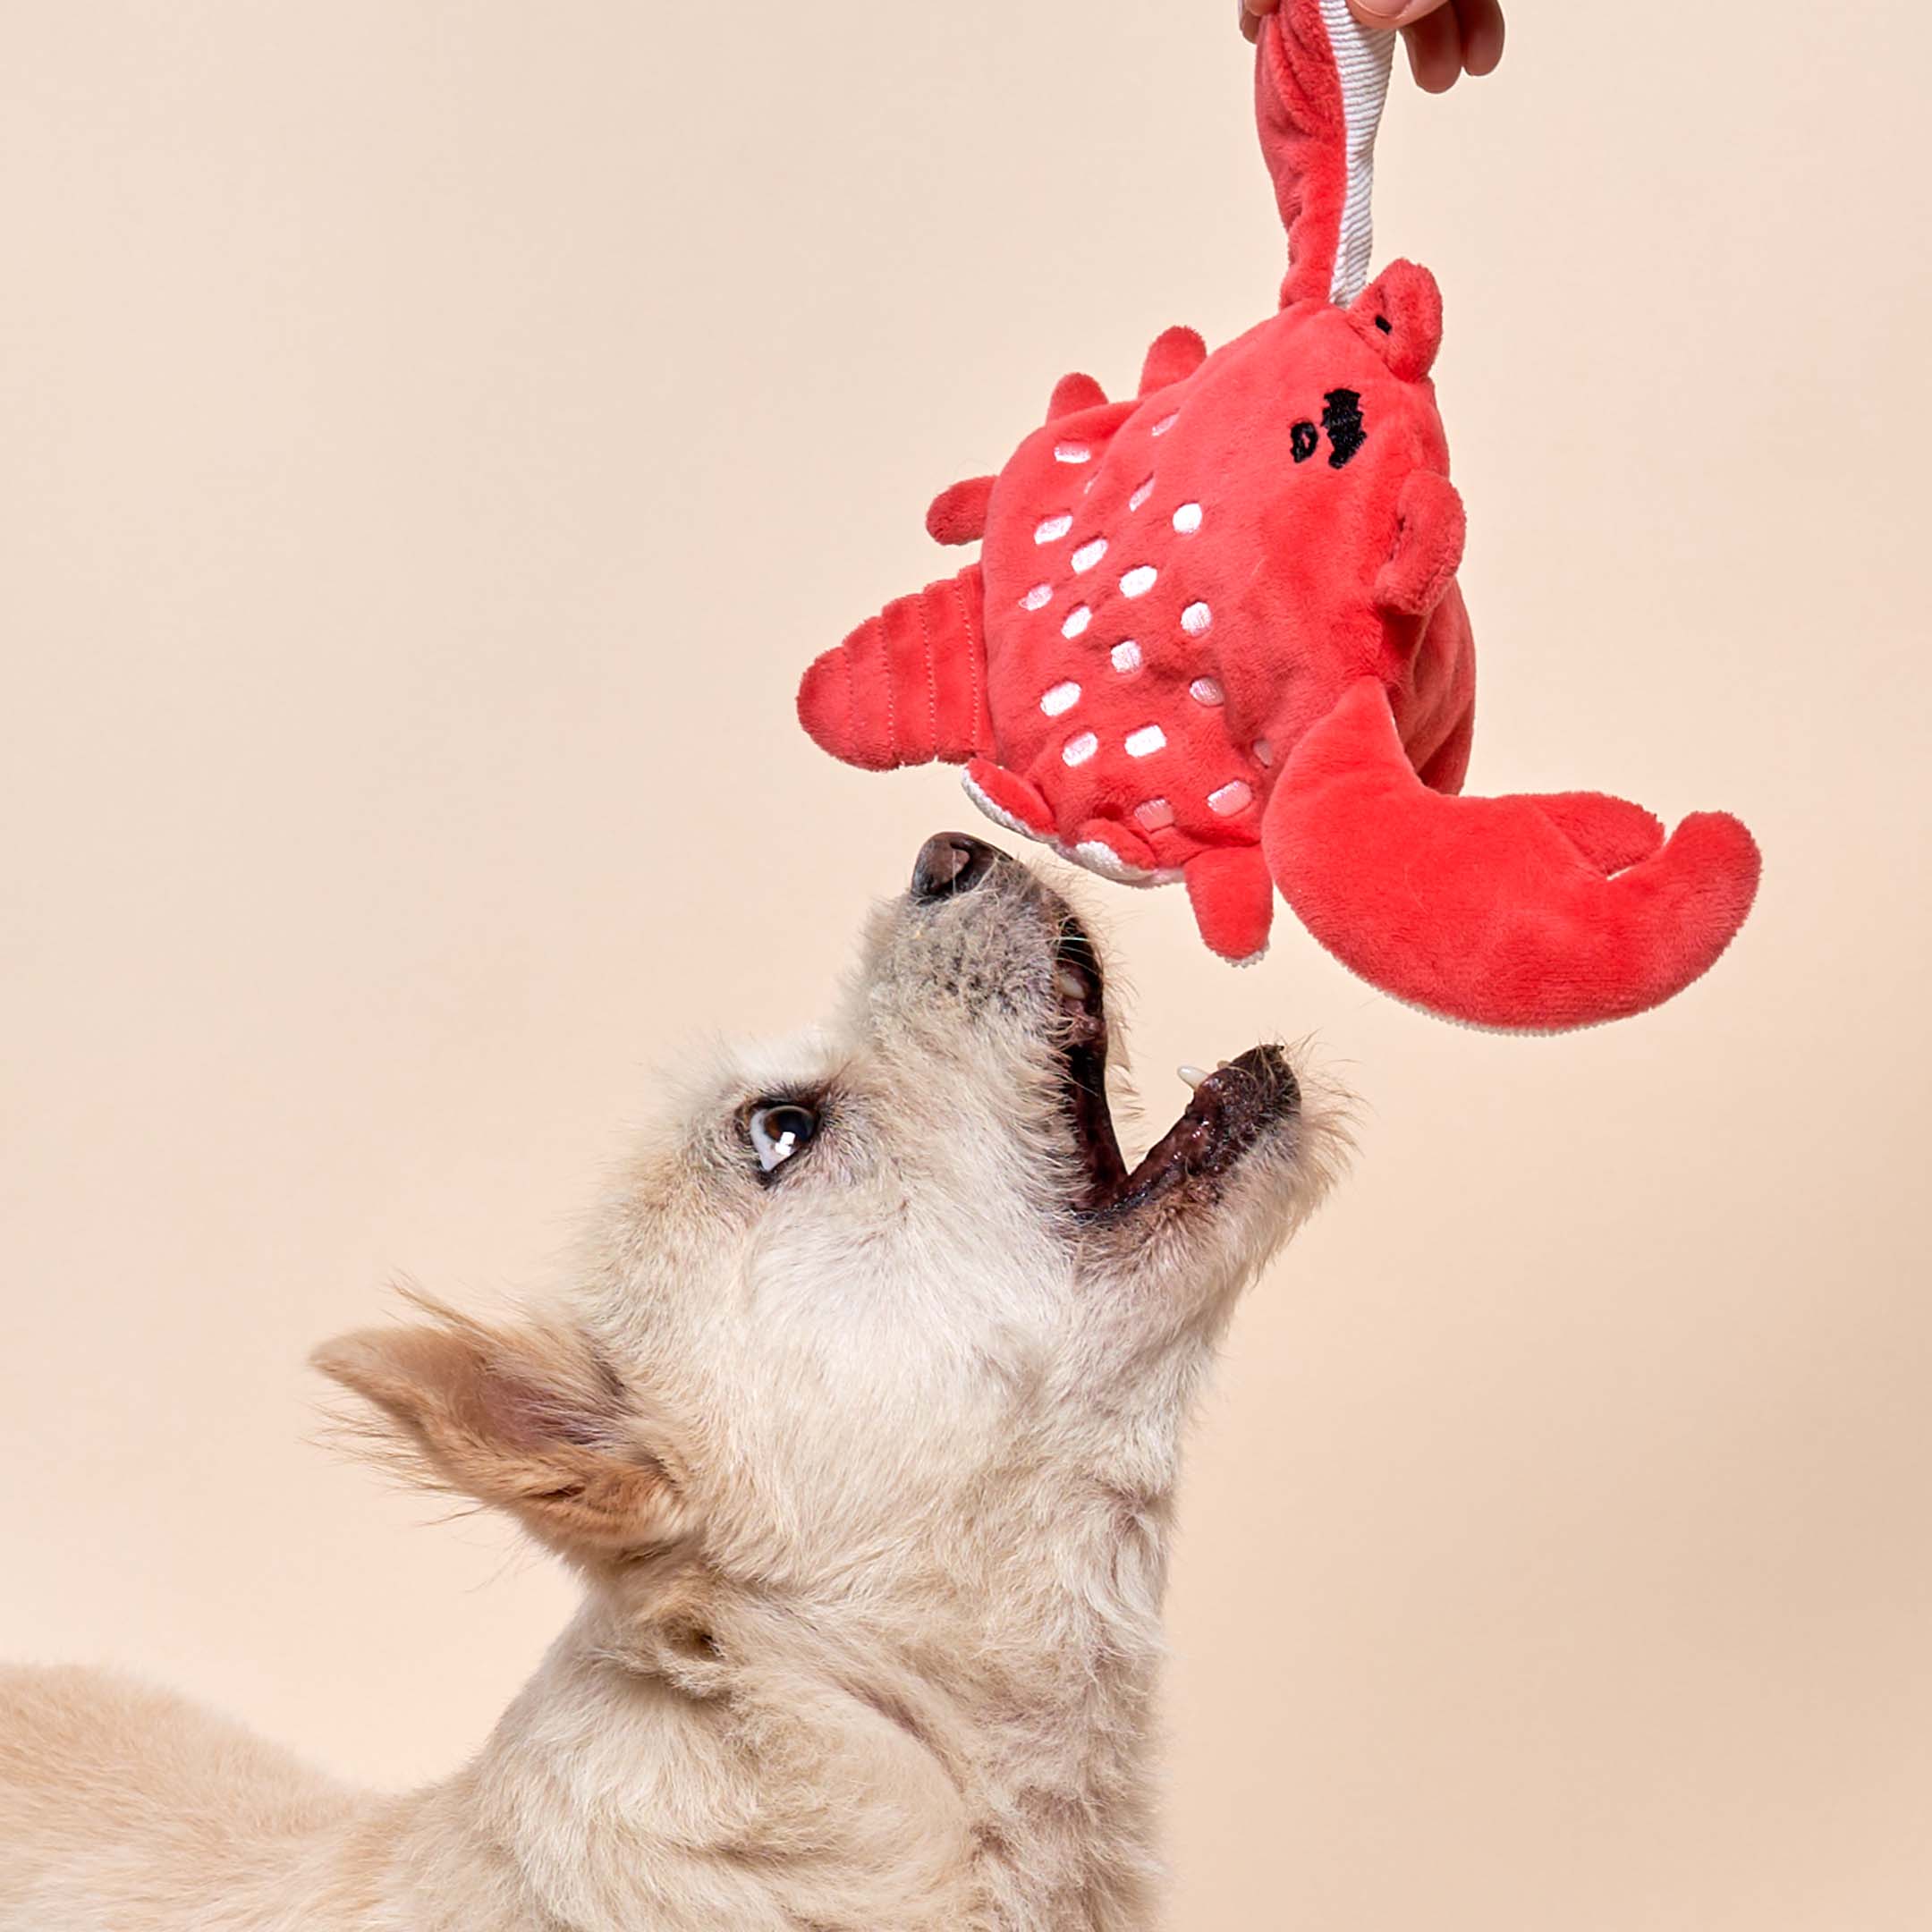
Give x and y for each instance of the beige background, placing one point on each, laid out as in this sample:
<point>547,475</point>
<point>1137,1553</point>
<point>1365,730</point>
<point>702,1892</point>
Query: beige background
<point>435,437</point>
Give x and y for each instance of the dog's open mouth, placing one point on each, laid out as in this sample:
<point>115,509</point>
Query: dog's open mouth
<point>1231,1107</point>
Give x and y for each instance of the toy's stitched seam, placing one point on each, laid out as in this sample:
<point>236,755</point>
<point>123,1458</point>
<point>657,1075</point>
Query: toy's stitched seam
<point>932,673</point>
<point>975,653</point>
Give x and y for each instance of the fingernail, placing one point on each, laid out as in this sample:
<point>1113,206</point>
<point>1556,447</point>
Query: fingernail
<point>1392,12</point>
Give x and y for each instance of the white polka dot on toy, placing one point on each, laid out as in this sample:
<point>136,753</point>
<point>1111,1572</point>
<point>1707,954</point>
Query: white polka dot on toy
<point>1138,581</point>
<point>1078,750</point>
<point>1263,752</point>
<point>1207,691</point>
<point>1072,452</point>
<point>1146,742</point>
<point>1195,619</point>
<point>1186,518</point>
<point>1157,814</point>
<point>1231,798</point>
<point>1037,597</point>
<point>1126,656</point>
<point>1061,697</point>
<point>1089,553</point>
<point>1077,620</point>
<point>1141,495</point>
<point>1166,423</point>
<point>1053,529</point>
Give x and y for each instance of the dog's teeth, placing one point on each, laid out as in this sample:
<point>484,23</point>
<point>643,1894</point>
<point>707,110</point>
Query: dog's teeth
<point>1070,983</point>
<point>1192,1075</point>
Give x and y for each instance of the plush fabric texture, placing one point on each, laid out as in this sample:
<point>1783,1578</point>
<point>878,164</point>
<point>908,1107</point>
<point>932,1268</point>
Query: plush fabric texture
<point>1214,635</point>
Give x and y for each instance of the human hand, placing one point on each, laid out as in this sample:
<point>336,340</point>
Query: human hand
<point>1446,38</point>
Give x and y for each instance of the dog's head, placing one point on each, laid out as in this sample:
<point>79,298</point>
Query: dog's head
<point>874,1300</point>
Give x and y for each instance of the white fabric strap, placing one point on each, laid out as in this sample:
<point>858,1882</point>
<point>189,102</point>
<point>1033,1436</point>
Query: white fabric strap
<point>1364,57</point>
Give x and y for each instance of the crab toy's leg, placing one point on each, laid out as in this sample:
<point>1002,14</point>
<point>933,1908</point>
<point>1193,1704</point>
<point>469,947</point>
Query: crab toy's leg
<point>1007,799</point>
<point>1105,846</point>
<point>907,686</point>
<point>1233,901</point>
<point>1173,356</point>
<point>1536,913</point>
<point>958,513</point>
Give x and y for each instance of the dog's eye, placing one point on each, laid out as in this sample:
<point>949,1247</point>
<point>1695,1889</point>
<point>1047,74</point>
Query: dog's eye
<point>780,1130</point>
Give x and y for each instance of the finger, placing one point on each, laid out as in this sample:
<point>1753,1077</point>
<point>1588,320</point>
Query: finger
<point>1386,14</point>
<point>1482,34</point>
<point>1251,13</point>
<point>1435,50</point>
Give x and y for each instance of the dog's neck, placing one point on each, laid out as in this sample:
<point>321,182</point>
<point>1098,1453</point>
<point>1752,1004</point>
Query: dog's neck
<point>975,1761</point>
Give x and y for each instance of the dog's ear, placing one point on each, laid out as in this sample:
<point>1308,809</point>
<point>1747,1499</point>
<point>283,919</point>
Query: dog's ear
<point>529,1420</point>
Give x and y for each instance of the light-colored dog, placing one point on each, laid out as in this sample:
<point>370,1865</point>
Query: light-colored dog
<point>862,1429</point>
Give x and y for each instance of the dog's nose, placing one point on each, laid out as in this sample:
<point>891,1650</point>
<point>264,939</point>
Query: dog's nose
<point>951,862</point>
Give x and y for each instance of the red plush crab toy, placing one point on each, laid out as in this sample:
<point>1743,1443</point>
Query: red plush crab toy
<point>1214,635</point>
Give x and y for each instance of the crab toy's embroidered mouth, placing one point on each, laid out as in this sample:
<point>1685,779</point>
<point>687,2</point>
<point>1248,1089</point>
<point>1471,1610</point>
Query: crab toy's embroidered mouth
<point>1230,1111</point>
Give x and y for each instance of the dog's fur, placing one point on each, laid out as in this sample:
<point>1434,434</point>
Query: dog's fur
<point>868,1472</point>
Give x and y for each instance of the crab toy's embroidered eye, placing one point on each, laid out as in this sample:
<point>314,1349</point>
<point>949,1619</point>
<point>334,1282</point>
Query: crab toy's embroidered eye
<point>779,1132</point>
<point>1304,440</point>
<point>1341,418</point>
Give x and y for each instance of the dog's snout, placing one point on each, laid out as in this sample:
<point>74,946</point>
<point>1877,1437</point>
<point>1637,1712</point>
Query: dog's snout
<point>951,862</point>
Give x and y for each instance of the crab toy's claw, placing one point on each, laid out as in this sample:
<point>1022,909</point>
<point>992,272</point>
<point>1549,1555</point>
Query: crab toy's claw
<point>909,685</point>
<point>1530,913</point>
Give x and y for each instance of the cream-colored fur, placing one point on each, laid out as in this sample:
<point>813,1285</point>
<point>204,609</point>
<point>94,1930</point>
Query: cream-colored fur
<point>868,1472</point>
